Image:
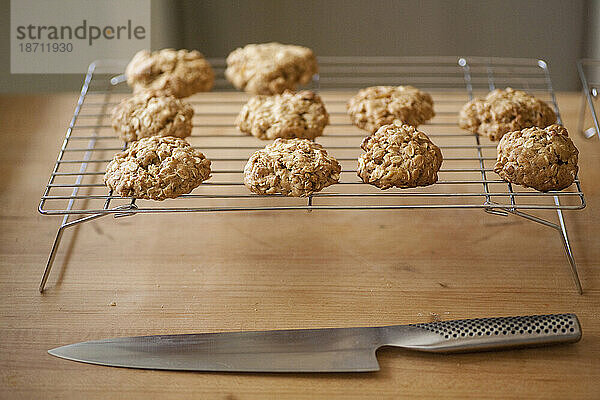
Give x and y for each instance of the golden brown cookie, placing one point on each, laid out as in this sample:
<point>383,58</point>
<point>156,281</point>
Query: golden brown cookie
<point>541,158</point>
<point>270,68</point>
<point>287,115</point>
<point>399,155</point>
<point>376,106</point>
<point>179,73</point>
<point>292,167</point>
<point>504,111</point>
<point>157,168</point>
<point>150,113</point>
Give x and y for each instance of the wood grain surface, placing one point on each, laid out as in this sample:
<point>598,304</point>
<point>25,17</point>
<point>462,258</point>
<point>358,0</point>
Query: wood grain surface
<point>157,274</point>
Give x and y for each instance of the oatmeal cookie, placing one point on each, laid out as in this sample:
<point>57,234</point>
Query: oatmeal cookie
<point>151,114</point>
<point>376,106</point>
<point>287,115</point>
<point>292,167</point>
<point>504,111</point>
<point>180,73</point>
<point>157,168</point>
<point>399,155</point>
<point>270,68</point>
<point>541,158</point>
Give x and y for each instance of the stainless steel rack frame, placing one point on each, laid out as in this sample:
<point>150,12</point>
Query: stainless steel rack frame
<point>75,189</point>
<point>589,73</point>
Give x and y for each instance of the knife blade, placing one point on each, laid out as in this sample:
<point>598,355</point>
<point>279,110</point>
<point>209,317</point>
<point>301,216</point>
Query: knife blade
<point>319,350</point>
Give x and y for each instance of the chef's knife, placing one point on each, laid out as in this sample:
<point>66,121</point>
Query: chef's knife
<point>320,350</point>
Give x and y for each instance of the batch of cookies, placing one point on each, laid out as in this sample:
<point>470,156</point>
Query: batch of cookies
<point>159,163</point>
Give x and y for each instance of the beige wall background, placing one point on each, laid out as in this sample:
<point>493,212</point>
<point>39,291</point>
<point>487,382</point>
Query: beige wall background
<point>559,31</point>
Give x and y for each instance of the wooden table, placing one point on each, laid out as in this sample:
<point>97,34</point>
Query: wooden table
<point>222,272</point>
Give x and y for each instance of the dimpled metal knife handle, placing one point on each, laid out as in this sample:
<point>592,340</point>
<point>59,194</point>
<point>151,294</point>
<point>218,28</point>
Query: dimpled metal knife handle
<point>493,333</point>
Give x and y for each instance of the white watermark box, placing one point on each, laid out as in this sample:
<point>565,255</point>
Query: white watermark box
<point>65,36</point>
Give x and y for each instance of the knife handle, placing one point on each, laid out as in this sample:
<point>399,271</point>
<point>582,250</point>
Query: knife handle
<point>492,333</point>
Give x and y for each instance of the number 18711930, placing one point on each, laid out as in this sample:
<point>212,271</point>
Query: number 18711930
<point>37,47</point>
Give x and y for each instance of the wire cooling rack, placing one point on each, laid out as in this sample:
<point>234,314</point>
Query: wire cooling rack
<point>466,179</point>
<point>589,73</point>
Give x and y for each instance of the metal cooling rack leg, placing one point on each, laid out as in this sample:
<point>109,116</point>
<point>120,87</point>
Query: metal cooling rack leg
<point>582,114</point>
<point>561,228</point>
<point>589,94</point>
<point>65,224</point>
<point>565,239</point>
<point>51,257</point>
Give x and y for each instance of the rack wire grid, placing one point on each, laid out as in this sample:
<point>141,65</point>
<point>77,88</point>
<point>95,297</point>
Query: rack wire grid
<point>466,179</point>
<point>589,73</point>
